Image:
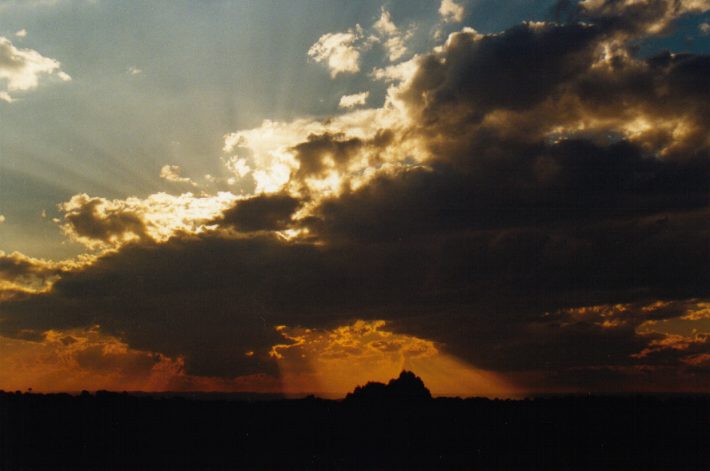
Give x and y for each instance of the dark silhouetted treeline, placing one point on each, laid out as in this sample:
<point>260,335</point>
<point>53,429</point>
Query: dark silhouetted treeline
<point>122,431</point>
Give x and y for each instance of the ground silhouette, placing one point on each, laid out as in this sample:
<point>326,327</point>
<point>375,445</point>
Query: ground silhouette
<point>392,426</point>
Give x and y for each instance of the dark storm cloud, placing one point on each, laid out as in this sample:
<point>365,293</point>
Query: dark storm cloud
<point>14,266</point>
<point>204,299</point>
<point>322,153</point>
<point>261,213</point>
<point>483,294</point>
<point>569,182</point>
<point>214,299</point>
<point>526,222</point>
<point>483,99</point>
<point>20,275</point>
<point>516,69</point>
<point>521,216</point>
<point>625,16</point>
<point>311,153</point>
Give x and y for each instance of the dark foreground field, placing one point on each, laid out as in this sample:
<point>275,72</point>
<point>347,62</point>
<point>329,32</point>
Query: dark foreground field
<point>121,431</point>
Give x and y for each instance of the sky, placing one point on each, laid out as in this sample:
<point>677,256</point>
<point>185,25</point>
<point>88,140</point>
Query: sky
<point>300,196</point>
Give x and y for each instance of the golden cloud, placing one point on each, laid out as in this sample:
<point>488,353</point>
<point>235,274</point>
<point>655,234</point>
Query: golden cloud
<point>100,223</point>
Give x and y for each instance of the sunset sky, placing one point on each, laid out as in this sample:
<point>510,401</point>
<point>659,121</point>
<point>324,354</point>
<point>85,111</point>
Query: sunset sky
<point>300,196</point>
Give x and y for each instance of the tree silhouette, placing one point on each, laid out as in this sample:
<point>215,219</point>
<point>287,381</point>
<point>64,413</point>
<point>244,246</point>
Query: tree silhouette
<point>407,387</point>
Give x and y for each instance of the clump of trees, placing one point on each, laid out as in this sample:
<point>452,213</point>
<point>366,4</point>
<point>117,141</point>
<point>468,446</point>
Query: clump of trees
<point>407,387</point>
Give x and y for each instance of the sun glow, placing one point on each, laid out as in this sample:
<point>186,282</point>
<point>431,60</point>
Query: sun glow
<point>332,362</point>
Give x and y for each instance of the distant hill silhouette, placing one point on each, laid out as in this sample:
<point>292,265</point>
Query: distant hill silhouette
<point>408,387</point>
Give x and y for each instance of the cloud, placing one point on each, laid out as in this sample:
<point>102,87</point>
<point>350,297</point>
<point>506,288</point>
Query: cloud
<point>691,347</point>
<point>451,12</point>
<point>558,52</point>
<point>340,51</point>
<point>261,213</point>
<point>21,274</point>
<point>89,219</point>
<point>394,40</point>
<point>133,70</point>
<point>384,25</point>
<point>352,101</point>
<point>704,28</point>
<point>99,223</point>
<point>322,156</point>
<point>522,187</point>
<point>78,359</point>
<point>639,17</point>
<point>571,74</point>
<point>2,218</point>
<point>21,33</point>
<point>397,73</point>
<point>173,173</point>
<point>226,282</point>
<point>22,69</point>
<point>528,202</point>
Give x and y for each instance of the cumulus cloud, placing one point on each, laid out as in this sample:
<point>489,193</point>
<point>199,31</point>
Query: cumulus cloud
<point>21,275</point>
<point>352,101</point>
<point>451,11</point>
<point>640,17</point>
<point>173,173</point>
<point>532,202</point>
<point>340,51</point>
<point>211,298</point>
<point>102,223</point>
<point>393,39</point>
<point>323,156</point>
<point>22,69</point>
<point>261,213</point>
<point>396,73</point>
<point>21,33</point>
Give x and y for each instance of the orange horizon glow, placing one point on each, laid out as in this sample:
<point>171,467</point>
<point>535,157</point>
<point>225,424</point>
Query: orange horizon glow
<point>329,363</point>
<point>336,361</point>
